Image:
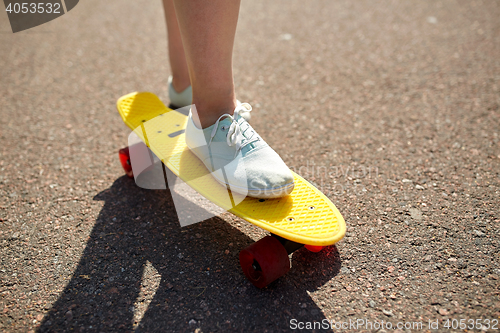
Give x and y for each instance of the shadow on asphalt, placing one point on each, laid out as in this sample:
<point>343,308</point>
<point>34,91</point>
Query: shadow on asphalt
<point>194,270</point>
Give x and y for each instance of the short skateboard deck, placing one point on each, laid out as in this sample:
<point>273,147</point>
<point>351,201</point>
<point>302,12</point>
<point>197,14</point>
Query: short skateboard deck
<point>306,216</point>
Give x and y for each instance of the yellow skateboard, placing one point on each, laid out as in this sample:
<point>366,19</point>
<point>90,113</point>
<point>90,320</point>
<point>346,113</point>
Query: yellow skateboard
<point>305,217</point>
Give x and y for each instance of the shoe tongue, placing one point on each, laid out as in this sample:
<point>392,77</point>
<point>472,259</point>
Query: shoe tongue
<point>225,122</point>
<point>245,128</point>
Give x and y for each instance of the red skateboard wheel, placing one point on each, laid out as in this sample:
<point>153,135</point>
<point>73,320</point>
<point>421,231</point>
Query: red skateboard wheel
<point>124,155</point>
<point>314,248</point>
<point>264,261</point>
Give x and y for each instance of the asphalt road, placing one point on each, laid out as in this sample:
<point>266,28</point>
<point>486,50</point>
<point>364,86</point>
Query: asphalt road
<point>390,107</point>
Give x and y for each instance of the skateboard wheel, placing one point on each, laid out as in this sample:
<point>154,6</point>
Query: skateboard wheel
<point>124,155</point>
<point>314,248</point>
<point>264,261</point>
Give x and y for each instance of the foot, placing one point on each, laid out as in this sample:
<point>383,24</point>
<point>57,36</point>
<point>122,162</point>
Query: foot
<point>185,98</point>
<point>238,157</point>
<point>179,100</point>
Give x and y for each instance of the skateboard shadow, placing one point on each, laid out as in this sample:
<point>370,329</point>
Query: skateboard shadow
<point>141,271</point>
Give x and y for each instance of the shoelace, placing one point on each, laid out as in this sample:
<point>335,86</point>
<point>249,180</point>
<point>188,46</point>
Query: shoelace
<point>235,135</point>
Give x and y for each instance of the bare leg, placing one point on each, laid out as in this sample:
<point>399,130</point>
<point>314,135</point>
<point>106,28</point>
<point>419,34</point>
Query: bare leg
<point>208,29</point>
<point>178,64</point>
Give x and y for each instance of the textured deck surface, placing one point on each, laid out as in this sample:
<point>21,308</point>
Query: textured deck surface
<point>306,216</point>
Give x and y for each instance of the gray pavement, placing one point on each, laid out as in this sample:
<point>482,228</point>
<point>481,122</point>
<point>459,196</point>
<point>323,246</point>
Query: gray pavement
<point>390,107</point>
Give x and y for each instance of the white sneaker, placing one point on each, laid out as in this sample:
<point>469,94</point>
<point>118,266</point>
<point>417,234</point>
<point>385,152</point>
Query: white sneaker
<point>179,100</point>
<point>185,98</point>
<point>238,157</point>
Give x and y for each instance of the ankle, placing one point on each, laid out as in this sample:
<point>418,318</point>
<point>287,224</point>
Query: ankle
<point>180,83</point>
<point>206,116</point>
